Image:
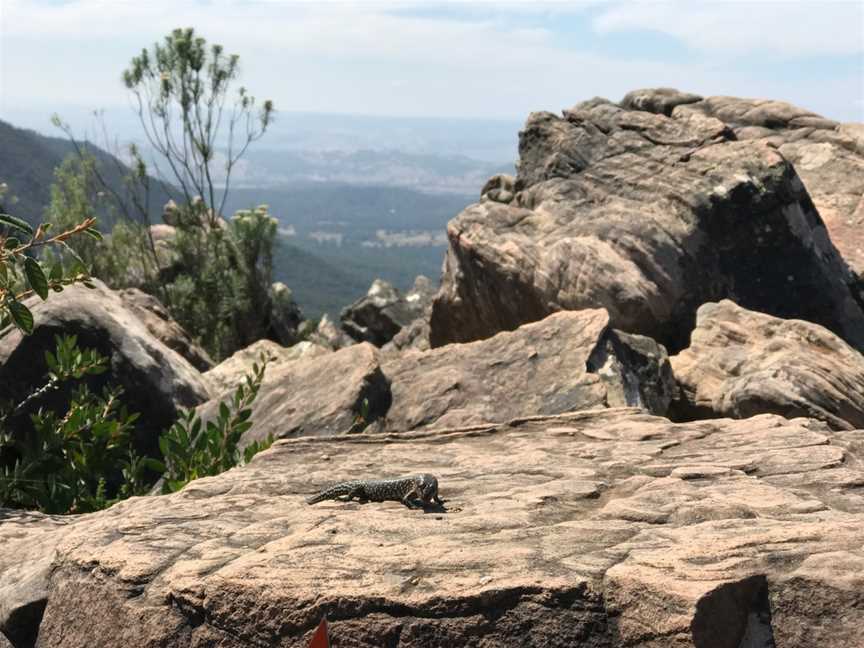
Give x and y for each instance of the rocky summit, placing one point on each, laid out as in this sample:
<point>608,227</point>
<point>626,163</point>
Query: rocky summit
<point>649,215</point>
<point>639,385</point>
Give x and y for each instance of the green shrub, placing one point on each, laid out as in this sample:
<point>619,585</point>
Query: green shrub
<point>125,257</point>
<point>193,449</point>
<point>82,459</point>
<point>220,291</point>
<point>21,275</point>
<point>78,460</point>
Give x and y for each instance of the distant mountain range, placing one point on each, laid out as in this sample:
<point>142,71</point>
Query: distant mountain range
<point>273,168</point>
<point>346,217</point>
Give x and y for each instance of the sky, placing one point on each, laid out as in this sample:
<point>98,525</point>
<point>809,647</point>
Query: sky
<point>488,60</point>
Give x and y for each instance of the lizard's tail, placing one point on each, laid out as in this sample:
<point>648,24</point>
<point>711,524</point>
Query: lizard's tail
<point>337,490</point>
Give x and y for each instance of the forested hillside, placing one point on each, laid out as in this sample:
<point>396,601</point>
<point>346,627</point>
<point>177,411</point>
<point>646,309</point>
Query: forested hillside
<point>27,163</point>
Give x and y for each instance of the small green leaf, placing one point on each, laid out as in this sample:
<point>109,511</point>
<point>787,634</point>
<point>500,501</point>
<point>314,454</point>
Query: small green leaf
<point>22,316</point>
<point>11,243</point>
<point>56,271</point>
<point>16,223</point>
<point>36,277</point>
<point>153,464</point>
<point>94,233</point>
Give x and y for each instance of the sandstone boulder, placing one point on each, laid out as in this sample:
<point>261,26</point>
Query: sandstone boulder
<point>156,380</point>
<point>415,337</point>
<point>828,157</point>
<point>229,373</point>
<point>571,361</point>
<point>159,322</point>
<point>658,100</point>
<point>740,363</point>
<point>384,311</point>
<point>608,529</point>
<point>648,216</point>
<point>328,335</point>
<point>499,188</point>
<point>315,395</point>
<point>24,585</point>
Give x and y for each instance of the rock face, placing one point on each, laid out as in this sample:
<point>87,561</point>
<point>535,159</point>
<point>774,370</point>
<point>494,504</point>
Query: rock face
<point>571,361</point>
<point>328,335</point>
<point>225,376</point>
<point>156,380</point>
<point>828,156</point>
<point>157,320</point>
<point>319,395</point>
<point>608,529</point>
<point>383,312</point>
<point>23,585</point>
<point>742,363</point>
<point>649,216</point>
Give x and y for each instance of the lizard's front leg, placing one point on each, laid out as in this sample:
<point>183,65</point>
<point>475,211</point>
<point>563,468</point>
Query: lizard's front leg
<point>410,497</point>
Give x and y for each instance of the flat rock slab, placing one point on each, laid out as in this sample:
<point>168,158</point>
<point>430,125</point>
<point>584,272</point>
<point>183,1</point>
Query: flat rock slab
<point>740,363</point>
<point>604,529</point>
<point>571,360</point>
<point>648,216</point>
<point>316,395</point>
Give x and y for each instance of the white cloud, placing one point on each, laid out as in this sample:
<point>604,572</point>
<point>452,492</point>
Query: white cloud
<point>788,28</point>
<point>367,57</point>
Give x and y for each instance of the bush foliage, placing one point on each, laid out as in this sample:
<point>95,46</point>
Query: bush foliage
<point>83,459</point>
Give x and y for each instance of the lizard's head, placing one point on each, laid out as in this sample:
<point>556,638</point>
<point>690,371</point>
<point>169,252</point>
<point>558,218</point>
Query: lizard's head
<point>428,486</point>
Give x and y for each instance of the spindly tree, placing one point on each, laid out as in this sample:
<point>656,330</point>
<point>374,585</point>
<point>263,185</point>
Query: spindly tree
<point>182,91</point>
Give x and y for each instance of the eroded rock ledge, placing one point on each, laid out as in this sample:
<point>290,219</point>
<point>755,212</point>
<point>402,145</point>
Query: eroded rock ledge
<point>606,528</point>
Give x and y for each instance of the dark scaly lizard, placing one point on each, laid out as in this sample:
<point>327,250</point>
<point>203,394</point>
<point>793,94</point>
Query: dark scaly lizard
<point>408,490</point>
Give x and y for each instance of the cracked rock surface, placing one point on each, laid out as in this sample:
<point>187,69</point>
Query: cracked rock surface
<point>648,216</point>
<point>606,528</point>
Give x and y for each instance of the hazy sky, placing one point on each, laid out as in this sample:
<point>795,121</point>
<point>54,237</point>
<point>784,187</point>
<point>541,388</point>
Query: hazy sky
<point>460,59</point>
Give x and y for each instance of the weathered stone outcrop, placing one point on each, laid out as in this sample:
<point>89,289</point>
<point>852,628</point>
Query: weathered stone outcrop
<point>499,188</point>
<point>570,361</point>
<point>604,529</point>
<point>742,363</point>
<point>315,395</point>
<point>328,335</point>
<point>384,311</point>
<point>828,156</point>
<point>156,380</point>
<point>159,322</point>
<point>229,373</point>
<point>648,216</point>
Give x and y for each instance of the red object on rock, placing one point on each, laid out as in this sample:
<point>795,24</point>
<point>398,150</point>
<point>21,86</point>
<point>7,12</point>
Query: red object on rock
<point>321,638</point>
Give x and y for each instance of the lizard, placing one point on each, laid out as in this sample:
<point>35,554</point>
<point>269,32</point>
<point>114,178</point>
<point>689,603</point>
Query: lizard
<point>408,490</point>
